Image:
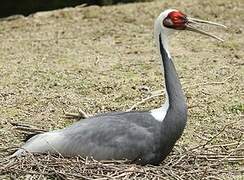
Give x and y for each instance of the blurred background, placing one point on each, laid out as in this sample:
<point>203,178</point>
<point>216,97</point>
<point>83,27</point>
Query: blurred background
<point>26,7</point>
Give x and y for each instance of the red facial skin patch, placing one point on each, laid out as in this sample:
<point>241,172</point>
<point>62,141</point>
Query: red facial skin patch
<point>175,20</point>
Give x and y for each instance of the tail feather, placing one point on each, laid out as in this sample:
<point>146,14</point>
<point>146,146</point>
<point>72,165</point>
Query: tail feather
<point>29,136</point>
<point>41,143</point>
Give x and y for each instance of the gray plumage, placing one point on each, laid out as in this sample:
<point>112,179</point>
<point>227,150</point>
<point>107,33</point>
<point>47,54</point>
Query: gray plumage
<point>130,135</point>
<point>135,136</point>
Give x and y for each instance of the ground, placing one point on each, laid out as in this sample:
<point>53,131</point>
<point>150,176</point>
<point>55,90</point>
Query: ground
<point>104,59</point>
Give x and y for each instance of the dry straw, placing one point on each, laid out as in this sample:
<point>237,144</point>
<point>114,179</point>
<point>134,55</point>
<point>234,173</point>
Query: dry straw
<point>206,161</point>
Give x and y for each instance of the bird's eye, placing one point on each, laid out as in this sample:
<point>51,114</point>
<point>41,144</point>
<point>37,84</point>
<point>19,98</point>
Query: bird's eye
<point>168,22</point>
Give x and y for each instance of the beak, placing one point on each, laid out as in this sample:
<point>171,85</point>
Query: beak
<point>192,21</point>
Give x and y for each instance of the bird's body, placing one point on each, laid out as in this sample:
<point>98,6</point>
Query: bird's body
<point>125,135</point>
<point>122,135</point>
<point>142,137</point>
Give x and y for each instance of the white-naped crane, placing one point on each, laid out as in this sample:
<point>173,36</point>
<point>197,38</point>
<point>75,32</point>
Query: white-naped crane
<point>144,137</point>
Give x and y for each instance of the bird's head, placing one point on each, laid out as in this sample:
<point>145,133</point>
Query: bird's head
<point>172,19</point>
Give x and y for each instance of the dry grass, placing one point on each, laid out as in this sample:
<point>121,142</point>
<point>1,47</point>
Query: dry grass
<point>104,59</point>
<point>202,162</point>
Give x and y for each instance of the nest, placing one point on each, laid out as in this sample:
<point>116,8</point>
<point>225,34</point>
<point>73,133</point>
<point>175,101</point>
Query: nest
<point>206,161</point>
<point>197,163</point>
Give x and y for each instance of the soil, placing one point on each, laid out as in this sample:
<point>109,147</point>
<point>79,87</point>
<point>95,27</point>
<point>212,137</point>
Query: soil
<point>102,59</point>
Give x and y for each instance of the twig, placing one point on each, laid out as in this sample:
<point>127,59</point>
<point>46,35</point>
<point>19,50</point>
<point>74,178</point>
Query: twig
<point>80,115</point>
<point>215,136</point>
<point>26,128</point>
<point>211,83</point>
<point>144,100</point>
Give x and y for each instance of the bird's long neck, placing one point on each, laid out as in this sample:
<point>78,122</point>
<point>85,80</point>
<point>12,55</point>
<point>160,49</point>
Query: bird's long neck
<point>175,117</point>
<point>175,99</point>
<point>175,104</point>
<point>174,93</point>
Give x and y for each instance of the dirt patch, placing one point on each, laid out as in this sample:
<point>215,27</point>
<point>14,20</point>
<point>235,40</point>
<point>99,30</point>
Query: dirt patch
<point>99,58</point>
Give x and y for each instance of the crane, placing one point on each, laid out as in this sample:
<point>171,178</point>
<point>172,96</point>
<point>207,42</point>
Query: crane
<point>144,137</point>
